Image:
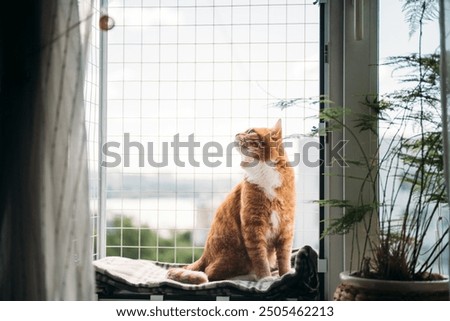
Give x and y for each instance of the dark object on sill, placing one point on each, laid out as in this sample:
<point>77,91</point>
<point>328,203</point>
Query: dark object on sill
<point>123,278</point>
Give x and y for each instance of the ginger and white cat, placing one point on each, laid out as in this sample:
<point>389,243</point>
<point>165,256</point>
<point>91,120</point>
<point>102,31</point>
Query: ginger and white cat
<point>252,230</point>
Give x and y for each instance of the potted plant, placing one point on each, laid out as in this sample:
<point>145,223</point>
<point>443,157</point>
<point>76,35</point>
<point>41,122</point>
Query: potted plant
<point>400,232</point>
<point>407,178</point>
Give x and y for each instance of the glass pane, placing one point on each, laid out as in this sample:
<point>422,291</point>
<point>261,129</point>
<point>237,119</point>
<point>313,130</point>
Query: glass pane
<point>445,97</point>
<point>403,49</point>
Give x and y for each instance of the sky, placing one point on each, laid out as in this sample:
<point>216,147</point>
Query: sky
<point>210,71</point>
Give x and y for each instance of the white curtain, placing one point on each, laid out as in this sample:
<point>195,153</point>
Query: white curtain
<point>45,251</point>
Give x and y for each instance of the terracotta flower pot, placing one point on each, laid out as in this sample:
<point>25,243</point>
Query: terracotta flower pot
<point>354,288</point>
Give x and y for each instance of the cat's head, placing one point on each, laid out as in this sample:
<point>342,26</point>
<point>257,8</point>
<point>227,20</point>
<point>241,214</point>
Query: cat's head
<point>260,145</point>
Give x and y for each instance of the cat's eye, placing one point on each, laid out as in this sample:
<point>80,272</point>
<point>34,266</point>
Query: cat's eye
<point>262,144</point>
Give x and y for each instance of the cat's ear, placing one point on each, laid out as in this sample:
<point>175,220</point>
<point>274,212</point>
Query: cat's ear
<point>275,132</point>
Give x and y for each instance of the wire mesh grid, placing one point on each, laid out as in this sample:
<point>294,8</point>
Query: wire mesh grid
<point>194,73</point>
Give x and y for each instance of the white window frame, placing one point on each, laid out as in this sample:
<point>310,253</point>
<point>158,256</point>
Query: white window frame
<point>350,72</point>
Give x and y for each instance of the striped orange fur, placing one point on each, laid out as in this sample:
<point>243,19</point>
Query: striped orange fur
<point>252,230</point>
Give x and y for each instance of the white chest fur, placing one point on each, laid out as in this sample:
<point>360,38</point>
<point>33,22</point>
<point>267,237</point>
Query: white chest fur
<point>266,177</point>
<point>275,220</point>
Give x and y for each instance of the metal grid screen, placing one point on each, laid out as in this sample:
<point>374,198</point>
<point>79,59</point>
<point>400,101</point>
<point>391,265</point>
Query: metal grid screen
<point>201,71</point>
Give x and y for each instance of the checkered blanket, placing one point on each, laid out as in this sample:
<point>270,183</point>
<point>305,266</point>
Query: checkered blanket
<point>121,276</point>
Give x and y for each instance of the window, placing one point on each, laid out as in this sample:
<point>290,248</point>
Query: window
<point>201,71</point>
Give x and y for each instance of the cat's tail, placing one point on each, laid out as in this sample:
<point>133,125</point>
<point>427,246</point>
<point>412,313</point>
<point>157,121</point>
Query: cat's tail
<point>189,274</point>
